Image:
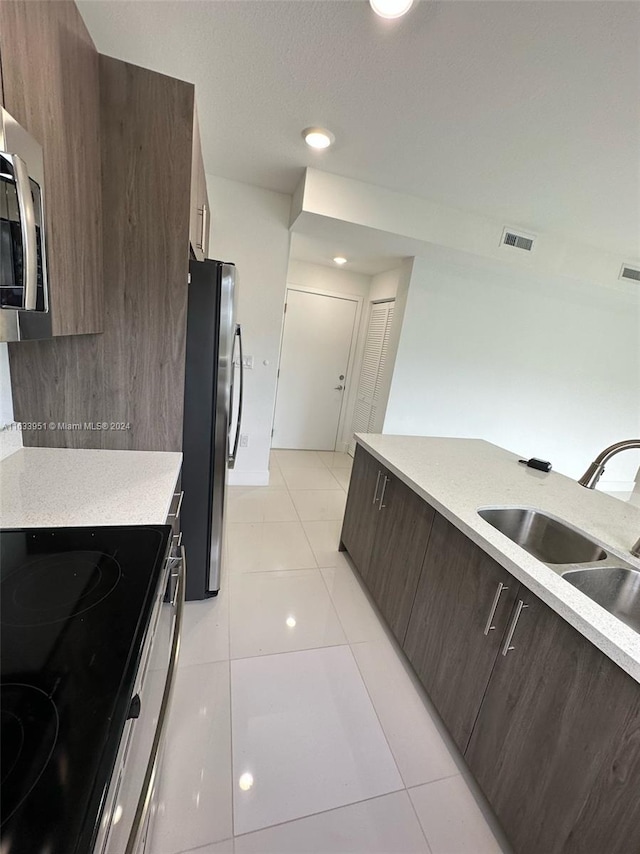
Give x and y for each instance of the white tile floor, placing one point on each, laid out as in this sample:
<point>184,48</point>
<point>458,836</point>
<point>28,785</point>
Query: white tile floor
<point>297,727</point>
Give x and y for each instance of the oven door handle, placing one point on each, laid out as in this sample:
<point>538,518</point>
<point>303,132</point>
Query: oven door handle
<point>144,802</point>
<point>27,230</point>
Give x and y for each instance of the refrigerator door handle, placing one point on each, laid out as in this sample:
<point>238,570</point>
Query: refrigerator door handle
<point>236,441</point>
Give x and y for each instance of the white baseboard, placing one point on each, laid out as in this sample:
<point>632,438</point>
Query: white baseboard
<point>247,478</point>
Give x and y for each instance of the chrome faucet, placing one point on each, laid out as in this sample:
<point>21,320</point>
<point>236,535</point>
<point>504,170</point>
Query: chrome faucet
<point>595,470</point>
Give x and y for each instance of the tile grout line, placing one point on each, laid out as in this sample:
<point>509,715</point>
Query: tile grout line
<point>415,812</point>
<point>290,652</point>
<point>321,812</point>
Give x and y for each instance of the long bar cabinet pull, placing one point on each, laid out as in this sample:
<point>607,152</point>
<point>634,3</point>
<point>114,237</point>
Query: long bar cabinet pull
<point>507,644</point>
<point>489,628</point>
<point>384,486</point>
<point>375,491</point>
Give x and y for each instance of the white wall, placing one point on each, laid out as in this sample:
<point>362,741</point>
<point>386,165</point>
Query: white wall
<point>408,225</point>
<point>385,285</point>
<point>541,365</point>
<point>396,284</point>
<point>325,278</point>
<point>345,283</point>
<point>250,227</point>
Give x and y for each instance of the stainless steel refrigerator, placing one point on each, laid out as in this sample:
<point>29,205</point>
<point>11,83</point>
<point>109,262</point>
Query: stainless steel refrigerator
<point>212,419</point>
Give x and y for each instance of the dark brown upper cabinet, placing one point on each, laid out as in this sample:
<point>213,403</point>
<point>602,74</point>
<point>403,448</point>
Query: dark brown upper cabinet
<point>51,86</point>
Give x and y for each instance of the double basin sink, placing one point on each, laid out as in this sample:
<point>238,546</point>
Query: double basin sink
<point>584,563</point>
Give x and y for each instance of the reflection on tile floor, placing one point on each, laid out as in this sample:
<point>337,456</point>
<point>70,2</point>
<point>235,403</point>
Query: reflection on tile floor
<point>296,724</point>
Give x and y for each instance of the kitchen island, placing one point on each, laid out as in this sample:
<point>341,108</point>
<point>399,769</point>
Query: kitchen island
<point>536,683</point>
<point>459,476</point>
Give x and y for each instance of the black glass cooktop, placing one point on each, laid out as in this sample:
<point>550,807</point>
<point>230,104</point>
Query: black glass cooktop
<point>74,603</point>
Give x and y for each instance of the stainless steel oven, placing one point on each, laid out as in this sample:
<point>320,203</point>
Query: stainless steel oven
<point>24,299</point>
<point>130,803</point>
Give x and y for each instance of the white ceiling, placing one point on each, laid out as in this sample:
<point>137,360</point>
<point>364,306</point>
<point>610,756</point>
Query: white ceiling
<point>524,111</point>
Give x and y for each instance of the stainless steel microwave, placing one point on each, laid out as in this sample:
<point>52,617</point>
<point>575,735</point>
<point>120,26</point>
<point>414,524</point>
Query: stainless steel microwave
<point>24,297</point>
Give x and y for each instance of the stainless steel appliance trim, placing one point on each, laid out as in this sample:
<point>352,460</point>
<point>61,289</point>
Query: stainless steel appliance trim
<point>386,480</point>
<point>236,442</point>
<point>16,324</point>
<point>125,742</point>
<point>489,628</point>
<point>205,220</point>
<point>507,644</point>
<point>27,230</point>
<point>375,492</point>
<point>179,496</point>
<point>222,422</point>
<point>144,802</point>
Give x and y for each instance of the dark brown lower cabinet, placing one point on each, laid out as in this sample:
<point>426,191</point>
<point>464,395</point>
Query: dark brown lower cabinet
<point>402,532</point>
<point>556,746</point>
<point>551,729</point>
<point>460,588</point>
<point>361,513</point>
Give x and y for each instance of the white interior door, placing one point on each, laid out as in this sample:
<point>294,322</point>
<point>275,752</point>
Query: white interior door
<point>316,344</point>
<point>372,372</point>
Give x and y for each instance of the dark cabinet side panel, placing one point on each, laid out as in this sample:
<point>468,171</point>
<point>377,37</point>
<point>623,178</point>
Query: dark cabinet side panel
<point>554,709</point>
<point>445,641</point>
<point>399,547</point>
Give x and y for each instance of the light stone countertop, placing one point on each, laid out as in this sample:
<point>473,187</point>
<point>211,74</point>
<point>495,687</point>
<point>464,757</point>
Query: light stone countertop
<point>458,476</point>
<point>58,487</point>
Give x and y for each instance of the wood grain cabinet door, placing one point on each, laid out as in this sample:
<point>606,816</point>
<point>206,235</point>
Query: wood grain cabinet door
<point>361,512</point>
<point>459,589</point>
<point>403,526</point>
<point>556,746</point>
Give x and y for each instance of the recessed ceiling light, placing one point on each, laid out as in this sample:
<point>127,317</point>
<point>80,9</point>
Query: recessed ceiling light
<point>318,137</point>
<point>391,8</point>
<point>340,260</point>
<point>246,781</point>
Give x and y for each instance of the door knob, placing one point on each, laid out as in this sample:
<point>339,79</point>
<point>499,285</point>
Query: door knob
<point>338,388</point>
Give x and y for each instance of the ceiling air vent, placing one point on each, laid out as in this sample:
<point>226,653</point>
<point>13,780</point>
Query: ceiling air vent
<point>631,274</point>
<point>516,239</point>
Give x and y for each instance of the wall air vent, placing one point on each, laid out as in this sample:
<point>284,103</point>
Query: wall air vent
<point>631,274</point>
<point>517,239</point>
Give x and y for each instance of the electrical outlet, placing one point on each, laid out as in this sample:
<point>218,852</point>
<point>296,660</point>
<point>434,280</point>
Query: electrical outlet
<point>244,440</point>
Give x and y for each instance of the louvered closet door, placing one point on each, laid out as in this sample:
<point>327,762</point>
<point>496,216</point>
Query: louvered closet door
<point>372,373</point>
